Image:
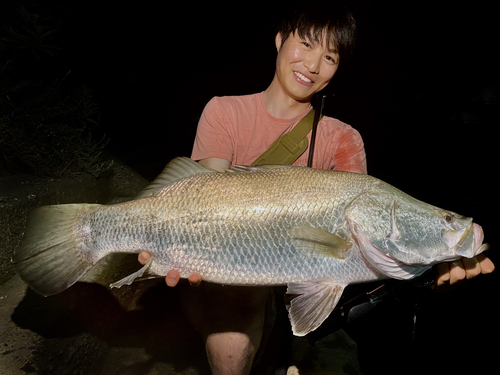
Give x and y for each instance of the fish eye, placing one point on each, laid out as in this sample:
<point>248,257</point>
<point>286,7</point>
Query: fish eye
<point>448,218</point>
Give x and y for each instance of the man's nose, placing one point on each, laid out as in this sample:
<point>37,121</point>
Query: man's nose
<point>312,62</point>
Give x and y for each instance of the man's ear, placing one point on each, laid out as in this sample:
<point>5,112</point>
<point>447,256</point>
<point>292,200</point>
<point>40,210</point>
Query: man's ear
<point>278,41</point>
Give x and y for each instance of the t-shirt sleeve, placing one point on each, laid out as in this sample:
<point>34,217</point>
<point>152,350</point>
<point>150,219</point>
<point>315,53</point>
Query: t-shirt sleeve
<point>212,135</point>
<point>350,154</point>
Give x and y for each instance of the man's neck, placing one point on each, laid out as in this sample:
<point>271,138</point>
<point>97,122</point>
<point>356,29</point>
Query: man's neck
<point>280,105</point>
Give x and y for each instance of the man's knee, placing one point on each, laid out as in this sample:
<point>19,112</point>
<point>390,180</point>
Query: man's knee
<point>231,319</point>
<point>230,353</point>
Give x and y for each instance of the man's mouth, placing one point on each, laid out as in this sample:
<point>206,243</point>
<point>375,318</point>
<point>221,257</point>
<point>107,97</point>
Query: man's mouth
<point>303,77</point>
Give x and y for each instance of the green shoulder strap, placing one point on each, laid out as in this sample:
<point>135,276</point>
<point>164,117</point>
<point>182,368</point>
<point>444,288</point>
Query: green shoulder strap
<point>287,148</point>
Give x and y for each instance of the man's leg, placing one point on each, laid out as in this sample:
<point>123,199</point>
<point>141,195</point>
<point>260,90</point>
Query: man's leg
<point>231,320</point>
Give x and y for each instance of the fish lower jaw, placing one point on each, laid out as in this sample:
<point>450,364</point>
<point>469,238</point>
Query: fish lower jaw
<point>478,245</point>
<point>471,243</point>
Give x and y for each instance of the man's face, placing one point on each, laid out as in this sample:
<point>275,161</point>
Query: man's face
<point>304,67</point>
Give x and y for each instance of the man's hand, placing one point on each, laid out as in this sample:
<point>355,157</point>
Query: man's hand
<point>173,276</point>
<point>464,268</point>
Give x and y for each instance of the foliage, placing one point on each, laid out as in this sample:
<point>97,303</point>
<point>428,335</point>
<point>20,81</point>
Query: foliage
<point>35,38</point>
<point>48,122</point>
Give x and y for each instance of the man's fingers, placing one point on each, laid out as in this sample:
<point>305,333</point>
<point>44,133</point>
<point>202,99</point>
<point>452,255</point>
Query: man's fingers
<point>143,257</point>
<point>464,268</point>
<point>477,265</point>
<point>194,279</point>
<point>442,273</point>
<point>172,278</point>
<point>457,271</point>
<point>486,264</point>
<point>450,273</point>
<point>472,267</point>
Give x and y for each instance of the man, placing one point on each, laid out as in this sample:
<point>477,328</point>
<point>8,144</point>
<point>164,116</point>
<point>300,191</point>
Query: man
<point>236,130</point>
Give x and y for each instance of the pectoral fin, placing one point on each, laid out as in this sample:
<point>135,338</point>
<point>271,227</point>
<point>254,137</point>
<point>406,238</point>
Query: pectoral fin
<point>318,242</point>
<point>313,305</point>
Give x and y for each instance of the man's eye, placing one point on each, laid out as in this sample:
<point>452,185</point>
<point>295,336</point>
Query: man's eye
<point>306,44</point>
<point>330,59</point>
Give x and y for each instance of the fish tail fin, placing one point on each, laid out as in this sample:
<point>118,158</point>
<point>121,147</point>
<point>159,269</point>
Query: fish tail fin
<point>47,258</point>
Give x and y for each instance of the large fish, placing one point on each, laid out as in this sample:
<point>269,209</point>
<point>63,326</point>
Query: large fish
<point>315,230</point>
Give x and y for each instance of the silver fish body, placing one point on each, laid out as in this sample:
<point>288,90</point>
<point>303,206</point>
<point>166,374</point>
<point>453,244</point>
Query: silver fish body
<point>315,230</point>
<point>234,228</point>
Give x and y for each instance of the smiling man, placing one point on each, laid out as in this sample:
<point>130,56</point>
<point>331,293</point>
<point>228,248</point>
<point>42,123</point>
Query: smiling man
<point>236,130</point>
<point>305,65</point>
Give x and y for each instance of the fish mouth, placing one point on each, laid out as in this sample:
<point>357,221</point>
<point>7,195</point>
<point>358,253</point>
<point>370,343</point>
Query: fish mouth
<point>479,246</point>
<point>471,243</point>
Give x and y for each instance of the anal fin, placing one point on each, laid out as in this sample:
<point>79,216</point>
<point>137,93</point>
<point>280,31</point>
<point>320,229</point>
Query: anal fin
<point>141,274</point>
<point>315,302</point>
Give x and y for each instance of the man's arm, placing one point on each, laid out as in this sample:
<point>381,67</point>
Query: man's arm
<point>217,164</point>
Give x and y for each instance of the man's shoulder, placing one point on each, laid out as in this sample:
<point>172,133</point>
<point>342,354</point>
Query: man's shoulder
<point>334,123</point>
<point>231,106</point>
<point>236,99</point>
<point>330,126</point>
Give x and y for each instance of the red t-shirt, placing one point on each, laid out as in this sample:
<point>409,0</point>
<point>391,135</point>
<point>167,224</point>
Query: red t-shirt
<point>240,129</point>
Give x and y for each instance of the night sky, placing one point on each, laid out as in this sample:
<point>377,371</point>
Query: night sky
<point>419,88</point>
<point>422,89</point>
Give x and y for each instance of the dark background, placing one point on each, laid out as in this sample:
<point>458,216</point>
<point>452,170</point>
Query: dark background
<point>422,89</point>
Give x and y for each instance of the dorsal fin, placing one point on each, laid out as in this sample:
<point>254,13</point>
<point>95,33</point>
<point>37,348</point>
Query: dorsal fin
<point>176,170</point>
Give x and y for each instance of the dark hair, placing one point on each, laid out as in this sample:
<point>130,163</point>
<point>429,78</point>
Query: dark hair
<point>311,22</point>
